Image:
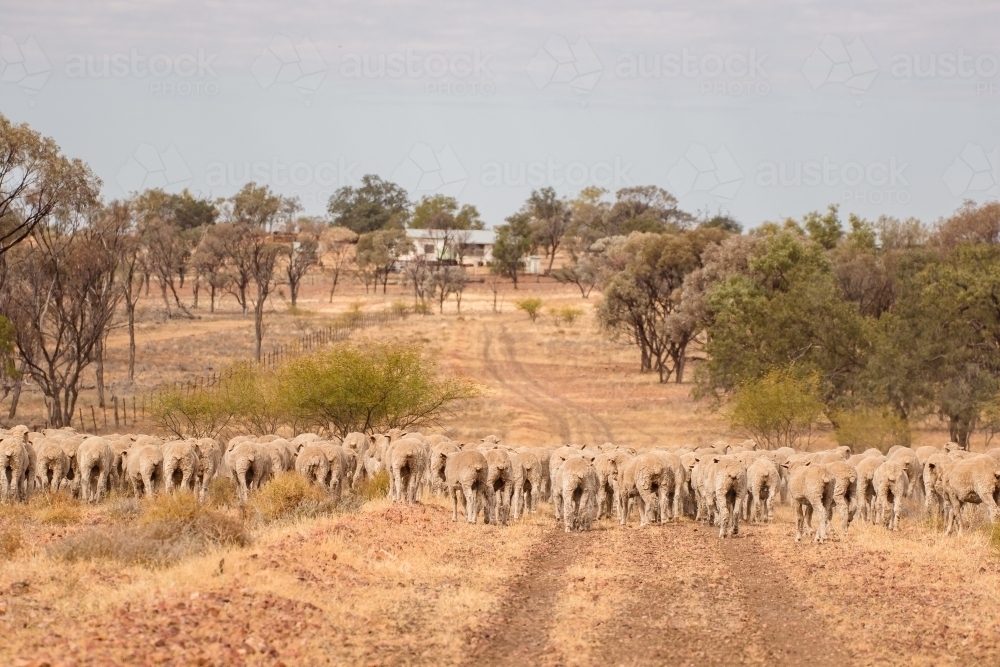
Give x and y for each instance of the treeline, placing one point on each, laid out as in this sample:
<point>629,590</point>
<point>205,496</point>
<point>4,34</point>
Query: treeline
<point>888,318</point>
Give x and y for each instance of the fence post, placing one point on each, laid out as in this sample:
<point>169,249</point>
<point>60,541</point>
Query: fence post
<point>114,399</point>
<point>93,417</point>
<point>83,426</point>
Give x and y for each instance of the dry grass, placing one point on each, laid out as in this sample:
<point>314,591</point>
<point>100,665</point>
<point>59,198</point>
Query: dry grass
<point>374,488</point>
<point>58,509</point>
<point>10,541</point>
<point>170,528</point>
<point>289,496</point>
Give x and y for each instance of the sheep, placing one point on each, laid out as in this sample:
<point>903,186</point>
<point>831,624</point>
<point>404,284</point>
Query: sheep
<point>350,467</point>
<point>702,481</point>
<point>557,457</point>
<point>436,465</point>
<point>864,493</point>
<point>499,485</point>
<point>70,443</point>
<point>532,485</point>
<point>119,445</point>
<point>465,478</point>
<point>607,472</point>
<point>544,455</point>
<point>144,468</point>
<point>14,466</point>
<point>729,484</point>
<point>340,460</point>
<point>914,470</point>
<point>845,480</point>
<point>517,482</point>
<point>810,486</point>
<point>313,464</point>
<point>95,460</point>
<point>891,485</point>
<point>50,466</point>
<point>643,477</point>
<point>209,461</point>
<point>676,482</point>
<point>836,454</point>
<point>281,457</point>
<point>180,465</point>
<point>406,467</point>
<point>762,485</point>
<point>973,480</point>
<point>576,490</point>
<point>249,466</point>
<point>935,493</point>
<point>689,460</point>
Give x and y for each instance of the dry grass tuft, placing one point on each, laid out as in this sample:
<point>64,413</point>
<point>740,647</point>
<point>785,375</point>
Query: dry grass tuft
<point>123,509</point>
<point>169,529</point>
<point>222,493</point>
<point>10,541</point>
<point>290,496</point>
<point>373,488</point>
<point>59,509</point>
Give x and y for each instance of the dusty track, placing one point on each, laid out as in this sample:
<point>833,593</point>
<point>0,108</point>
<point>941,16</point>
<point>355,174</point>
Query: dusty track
<point>518,633</point>
<point>569,420</point>
<point>675,595</point>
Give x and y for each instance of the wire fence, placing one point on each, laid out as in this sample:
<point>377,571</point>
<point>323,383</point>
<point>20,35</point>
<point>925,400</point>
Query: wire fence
<point>123,411</point>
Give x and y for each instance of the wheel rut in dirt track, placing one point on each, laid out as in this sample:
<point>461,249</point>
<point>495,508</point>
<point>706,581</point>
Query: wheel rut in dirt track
<point>793,631</point>
<point>567,418</point>
<point>533,402</point>
<point>692,599</point>
<point>517,633</point>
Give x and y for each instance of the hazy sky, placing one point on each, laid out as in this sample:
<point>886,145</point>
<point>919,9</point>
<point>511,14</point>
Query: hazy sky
<point>761,109</point>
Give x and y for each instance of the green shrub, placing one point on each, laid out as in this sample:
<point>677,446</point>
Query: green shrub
<point>567,315</point>
<point>777,410</point>
<point>400,308</point>
<point>366,387</point>
<point>422,308</point>
<point>863,428</point>
<point>532,306</point>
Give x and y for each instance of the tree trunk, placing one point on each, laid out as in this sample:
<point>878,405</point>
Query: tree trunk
<point>17,392</point>
<point>293,289</point>
<point>333,288</point>
<point>258,321</point>
<point>196,288</point>
<point>960,428</point>
<point>99,371</point>
<point>130,309</point>
<point>211,297</point>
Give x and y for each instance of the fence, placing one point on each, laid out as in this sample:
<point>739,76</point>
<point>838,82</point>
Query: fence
<point>120,406</point>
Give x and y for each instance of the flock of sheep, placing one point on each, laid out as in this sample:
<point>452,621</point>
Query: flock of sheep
<point>720,484</point>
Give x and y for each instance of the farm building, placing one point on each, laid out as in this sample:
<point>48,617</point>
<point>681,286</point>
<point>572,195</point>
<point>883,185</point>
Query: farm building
<point>473,247</point>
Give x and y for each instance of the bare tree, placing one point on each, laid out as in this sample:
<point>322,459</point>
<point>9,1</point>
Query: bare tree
<point>167,252</point>
<point>338,246</point>
<point>61,294</point>
<point>417,273</point>
<point>35,180</point>
<point>302,256</point>
<point>210,259</point>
